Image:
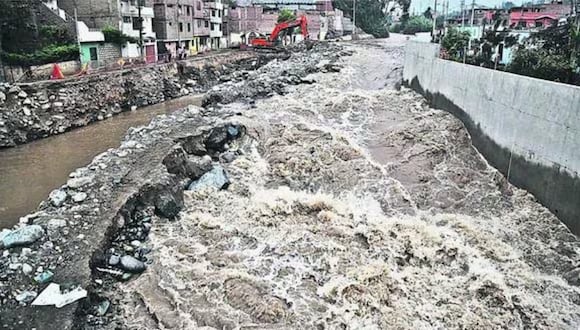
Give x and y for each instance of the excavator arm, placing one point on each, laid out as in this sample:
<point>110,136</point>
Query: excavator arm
<point>301,22</point>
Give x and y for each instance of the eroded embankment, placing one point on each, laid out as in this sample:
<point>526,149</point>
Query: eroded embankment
<point>91,232</point>
<point>36,110</point>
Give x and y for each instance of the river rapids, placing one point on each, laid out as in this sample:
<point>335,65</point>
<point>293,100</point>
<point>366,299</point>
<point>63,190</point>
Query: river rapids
<point>354,205</point>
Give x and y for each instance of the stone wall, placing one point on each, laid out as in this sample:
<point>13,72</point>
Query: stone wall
<point>36,110</point>
<point>527,128</point>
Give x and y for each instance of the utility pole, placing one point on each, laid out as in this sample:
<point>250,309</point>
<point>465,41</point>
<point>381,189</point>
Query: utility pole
<point>472,11</point>
<point>139,5</point>
<point>77,33</point>
<point>178,26</point>
<point>434,21</point>
<point>462,13</point>
<point>354,19</point>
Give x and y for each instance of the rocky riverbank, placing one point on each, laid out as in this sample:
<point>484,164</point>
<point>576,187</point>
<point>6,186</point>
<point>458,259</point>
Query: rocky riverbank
<point>37,110</point>
<point>92,232</point>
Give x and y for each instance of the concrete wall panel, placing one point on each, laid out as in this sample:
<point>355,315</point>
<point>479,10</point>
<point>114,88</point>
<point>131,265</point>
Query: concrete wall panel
<point>532,122</point>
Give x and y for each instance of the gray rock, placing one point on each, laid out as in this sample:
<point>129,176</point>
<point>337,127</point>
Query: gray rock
<point>114,260</point>
<point>45,106</point>
<point>26,269</point>
<point>22,95</point>
<point>167,206</point>
<point>26,296</point>
<point>58,104</point>
<point>198,166</point>
<point>191,82</point>
<point>22,236</point>
<point>26,111</point>
<point>27,101</point>
<point>76,183</point>
<point>216,178</point>
<point>79,197</point>
<point>14,90</point>
<point>57,197</point>
<point>228,156</point>
<point>55,224</point>
<point>2,97</point>
<point>132,265</point>
<point>44,277</point>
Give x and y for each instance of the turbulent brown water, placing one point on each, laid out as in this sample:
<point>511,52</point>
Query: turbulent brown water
<point>356,206</point>
<point>28,173</point>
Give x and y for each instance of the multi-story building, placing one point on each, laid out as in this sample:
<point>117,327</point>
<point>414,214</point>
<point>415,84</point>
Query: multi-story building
<point>174,24</point>
<point>129,16</point>
<point>215,10</point>
<point>201,27</point>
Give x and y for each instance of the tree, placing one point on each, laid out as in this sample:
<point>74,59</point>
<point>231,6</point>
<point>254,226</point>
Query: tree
<point>371,15</point>
<point>455,42</point>
<point>552,54</point>
<point>427,14</point>
<point>286,15</point>
<point>418,24</point>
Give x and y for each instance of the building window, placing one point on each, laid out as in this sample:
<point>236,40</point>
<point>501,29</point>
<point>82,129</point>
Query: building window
<point>180,27</point>
<point>170,24</point>
<point>126,19</point>
<point>188,10</point>
<point>212,13</point>
<point>188,27</point>
<point>199,5</point>
<point>169,6</point>
<point>212,26</point>
<point>137,23</point>
<point>219,13</point>
<point>219,27</point>
<point>93,53</point>
<point>206,23</point>
<point>198,23</point>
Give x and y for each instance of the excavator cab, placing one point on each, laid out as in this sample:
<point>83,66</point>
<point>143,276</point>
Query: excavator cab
<point>281,29</point>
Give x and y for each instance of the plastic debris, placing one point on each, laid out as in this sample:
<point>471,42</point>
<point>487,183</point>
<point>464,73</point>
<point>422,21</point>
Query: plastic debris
<point>53,296</point>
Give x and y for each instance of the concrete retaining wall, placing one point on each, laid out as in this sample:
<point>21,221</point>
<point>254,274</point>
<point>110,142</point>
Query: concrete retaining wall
<point>527,128</point>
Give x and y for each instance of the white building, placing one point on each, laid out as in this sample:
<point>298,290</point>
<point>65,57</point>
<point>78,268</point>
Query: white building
<point>129,25</point>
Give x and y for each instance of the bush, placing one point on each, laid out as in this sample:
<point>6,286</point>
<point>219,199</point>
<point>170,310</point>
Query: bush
<point>541,64</point>
<point>455,42</point>
<point>417,24</point>
<point>115,36</point>
<point>286,15</point>
<point>49,54</point>
<point>396,28</point>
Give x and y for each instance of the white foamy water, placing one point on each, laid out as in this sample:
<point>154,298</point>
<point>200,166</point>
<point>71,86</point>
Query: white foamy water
<point>355,206</point>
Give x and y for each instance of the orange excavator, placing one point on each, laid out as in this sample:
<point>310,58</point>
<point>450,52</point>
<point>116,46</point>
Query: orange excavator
<point>281,29</point>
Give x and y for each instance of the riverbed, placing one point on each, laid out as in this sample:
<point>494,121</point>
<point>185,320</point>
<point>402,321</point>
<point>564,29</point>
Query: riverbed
<point>28,173</point>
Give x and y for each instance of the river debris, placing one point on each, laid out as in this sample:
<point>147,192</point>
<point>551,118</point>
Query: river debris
<point>53,295</point>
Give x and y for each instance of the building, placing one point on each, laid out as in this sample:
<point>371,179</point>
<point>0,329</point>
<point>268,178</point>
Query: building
<point>129,16</point>
<point>94,50</point>
<point>537,16</point>
<point>216,12</point>
<point>174,25</point>
<point>201,28</point>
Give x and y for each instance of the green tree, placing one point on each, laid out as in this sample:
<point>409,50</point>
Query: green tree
<point>551,54</point>
<point>371,15</point>
<point>455,42</point>
<point>418,24</point>
<point>115,36</point>
<point>286,15</point>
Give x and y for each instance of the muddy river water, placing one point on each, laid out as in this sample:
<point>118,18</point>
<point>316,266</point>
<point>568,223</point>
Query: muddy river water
<point>28,173</point>
<point>355,205</point>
